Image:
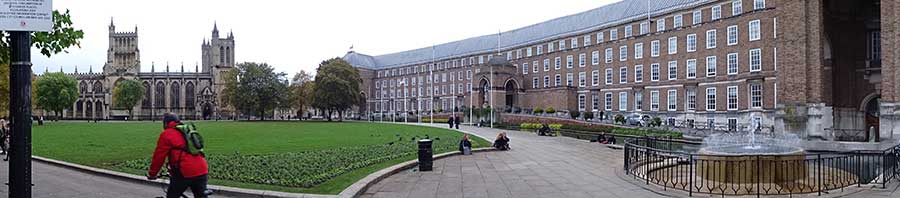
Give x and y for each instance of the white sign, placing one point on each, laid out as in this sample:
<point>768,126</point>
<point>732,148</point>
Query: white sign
<point>26,15</point>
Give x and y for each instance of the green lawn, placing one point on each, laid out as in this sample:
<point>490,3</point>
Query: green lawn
<point>307,157</point>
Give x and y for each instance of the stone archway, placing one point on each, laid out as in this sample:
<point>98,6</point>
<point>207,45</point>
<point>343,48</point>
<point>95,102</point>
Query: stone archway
<point>511,89</point>
<point>207,111</point>
<point>871,110</point>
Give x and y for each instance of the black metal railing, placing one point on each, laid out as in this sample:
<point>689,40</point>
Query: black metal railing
<point>652,161</point>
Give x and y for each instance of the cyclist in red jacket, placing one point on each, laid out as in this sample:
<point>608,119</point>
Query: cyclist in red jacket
<point>186,170</point>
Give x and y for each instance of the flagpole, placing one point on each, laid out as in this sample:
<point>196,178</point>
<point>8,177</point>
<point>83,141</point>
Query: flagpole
<point>491,88</point>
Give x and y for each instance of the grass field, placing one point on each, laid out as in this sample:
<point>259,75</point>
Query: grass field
<point>307,157</point>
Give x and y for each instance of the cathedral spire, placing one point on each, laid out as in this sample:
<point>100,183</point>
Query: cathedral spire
<point>182,67</point>
<point>215,32</point>
<point>90,69</point>
<point>152,66</point>
<point>167,66</point>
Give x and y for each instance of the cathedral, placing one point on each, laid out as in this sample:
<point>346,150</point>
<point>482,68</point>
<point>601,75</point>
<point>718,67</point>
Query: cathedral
<point>193,95</point>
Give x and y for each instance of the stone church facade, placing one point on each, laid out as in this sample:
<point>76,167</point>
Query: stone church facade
<point>193,95</point>
<point>822,69</point>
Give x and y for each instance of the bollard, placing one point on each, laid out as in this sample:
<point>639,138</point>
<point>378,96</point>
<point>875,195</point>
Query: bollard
<point>425,152</point>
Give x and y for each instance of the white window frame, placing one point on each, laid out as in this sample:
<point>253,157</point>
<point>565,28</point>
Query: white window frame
<point>711,39</point>
<point>540,49</point>
<point>535,82</point>
<point>613,34</point>
<point>711,66</point>
<point>654,100</point>
<point>581,102</point>
<point>609,76</point>
<point>691,68</point>
<point>691,42</point>
<point>547,81</point>
<point>737,7</point>
<point>645,27</point>
<point>608,53</point>
<point>710,99</point>
<point>623,75</point>
<point>732,98</point>
<point>716,12</point>
<point>595,78</point>
<point>638,73</point>
<point>732,64</point>
<point>673,70</point>
<point>755,94</point>
<point>623,53</point>
<point>696,17</point>
<point>570,79</point>
<point>661,25</point>
<point>557,80</point>
<point>638,101</point>
<point>654,72</point>
<point>570,61</point>
<point>638,50</point>
<point>654,48</point>
<point>581,61</point>
<point>628,31</point>
<point>672,100</point>
<point>557,63</point>
<point>534,66</point>
<point>759,4</point>
<point>608,101</point>
<point>732,35</point>
<point>524,68</point>
<point>595,58</point>
<point>561,45</point>
<point>595,102</point>
<point>600,37</point>
<point>755,60</point>
<point>573,43</point>
<point>582,79</point>
<point>754,29</point>
<point>587,40</point>
<point>673,45</point>
<point>623,101</point>
<point>690,98</point>
<point>546,64</point>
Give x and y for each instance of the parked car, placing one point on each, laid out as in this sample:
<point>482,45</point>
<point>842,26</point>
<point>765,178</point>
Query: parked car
<point>637,120</point>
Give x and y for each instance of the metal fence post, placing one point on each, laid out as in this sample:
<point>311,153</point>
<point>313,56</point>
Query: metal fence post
<point>819,172</point>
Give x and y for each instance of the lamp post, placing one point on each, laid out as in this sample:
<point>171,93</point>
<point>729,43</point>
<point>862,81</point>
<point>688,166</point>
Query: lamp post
<point>20,111</point>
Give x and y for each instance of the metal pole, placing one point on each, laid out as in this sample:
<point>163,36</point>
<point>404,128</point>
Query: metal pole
<point>431,73</point>
<point>20,111</point>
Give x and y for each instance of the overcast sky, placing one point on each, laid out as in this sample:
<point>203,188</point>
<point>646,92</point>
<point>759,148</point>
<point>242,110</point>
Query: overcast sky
<point>291,35</point>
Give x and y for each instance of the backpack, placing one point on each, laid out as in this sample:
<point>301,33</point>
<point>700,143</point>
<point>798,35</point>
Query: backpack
<point>193,140</point>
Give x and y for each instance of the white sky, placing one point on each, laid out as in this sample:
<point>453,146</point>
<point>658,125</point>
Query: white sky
<point>291,35</point>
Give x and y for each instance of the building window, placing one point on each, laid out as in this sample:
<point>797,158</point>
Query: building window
<point>581,100</point>
<point>534,83</point>
<point>754,30</point>
<point>654,48</point>
<point>638,101</point>
<point>673,70</point>
<point>587,40</point>
<point>562,45</point>
<point>608,103</point>
<point>623,53</point>
<point>638,73</point>
<point>759,4</point>
<point>673,45</point>
<point>524,68</point>
<point>732,124</point>
<point>691,102</point>
<point>691,68</point>
<point>661,25</point>
<point>527,53</point>
<point>609,76</point>
<point>535,65</point>
<point>480,61</point>
<point>755,95</point>
<point>595,58</point>
<point>672,101</point>
<point>654,72</point>
<point>581,62</point>
<point>608,54</point>
<point>546,64</point>
<point>676,21</point>
<point>711,99</point>
<point>638,50</point>
<point>599,37</point>
<point>546,81</point>
<point>582,79</point>
<point>549,47</point>
<point>557,63</point>
<point>574,42</point>
<point>540,49</point>
<point>595,102</point>
<point>697,17</point>
<point>595,77</point>
<point>755,60</point>
<point>558,80</point>
<point>509,55</point>
<point>613,34</point>
<point>623,75</point>
<point>732,35</point>
<point>569,79</point>
<point>732,97</point>
<point>732,64</point>
<point>736,7</point>
<point>627,31</point>
<point>570,62</point>
<point>710,66</point>
<point>654,100</point>
<point>645,27</point>
<point>710,39</point>
<point>716,12</point>
<point>623,101</point>
<point>692,42</point>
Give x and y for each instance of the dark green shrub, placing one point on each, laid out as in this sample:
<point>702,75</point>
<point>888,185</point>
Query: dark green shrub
<point>538,110</point>
<point>574,114</point>
<point>550,110</point>
<point>588,115</point>
<point>656,122</point>
<point>620,119</point>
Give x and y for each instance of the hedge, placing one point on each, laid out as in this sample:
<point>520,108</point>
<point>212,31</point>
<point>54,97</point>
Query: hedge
<point>436,120</point>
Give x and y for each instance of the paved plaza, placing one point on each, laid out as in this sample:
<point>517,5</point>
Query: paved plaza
<point>535,167</point>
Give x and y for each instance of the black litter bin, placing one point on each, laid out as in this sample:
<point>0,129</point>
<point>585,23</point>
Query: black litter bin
<point>425,152</point>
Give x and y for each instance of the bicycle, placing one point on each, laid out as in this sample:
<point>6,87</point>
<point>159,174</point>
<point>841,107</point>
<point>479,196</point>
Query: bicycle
<point>165,186</point>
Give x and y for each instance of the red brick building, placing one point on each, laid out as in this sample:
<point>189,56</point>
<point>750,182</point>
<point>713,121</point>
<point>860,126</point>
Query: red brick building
<point>819,68</point>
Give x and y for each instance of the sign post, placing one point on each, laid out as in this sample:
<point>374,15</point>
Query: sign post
<point>20,18</point>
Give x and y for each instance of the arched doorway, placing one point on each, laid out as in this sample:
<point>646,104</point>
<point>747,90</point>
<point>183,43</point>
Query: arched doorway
<point>511,89</point>
<point>871,111</point>
<point>485,91</point>
<point>207,111</point>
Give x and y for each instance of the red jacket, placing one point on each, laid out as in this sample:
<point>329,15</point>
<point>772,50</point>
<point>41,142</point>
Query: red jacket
<point>169,144</point>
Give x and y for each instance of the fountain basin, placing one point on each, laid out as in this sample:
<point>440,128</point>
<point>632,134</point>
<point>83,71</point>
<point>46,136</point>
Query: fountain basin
<point>751,164</point>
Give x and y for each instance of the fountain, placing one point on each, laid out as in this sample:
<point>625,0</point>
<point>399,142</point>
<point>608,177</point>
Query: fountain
<point>749,158</point>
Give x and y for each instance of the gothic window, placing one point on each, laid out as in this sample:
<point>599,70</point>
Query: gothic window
<point>146,102</point>
<point>175,94</point>
<point>83,87</point>
<point>222,55</point>
<point>160,94</point>
<point>189,95</point>
<point>98,87</point>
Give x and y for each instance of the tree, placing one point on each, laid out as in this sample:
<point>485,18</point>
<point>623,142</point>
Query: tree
<point>301,92</point>
<point>57,40</point>
<point>337,87</point>
<point>56,91</point>
<point>127,94</point>
<point>255,89</point>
